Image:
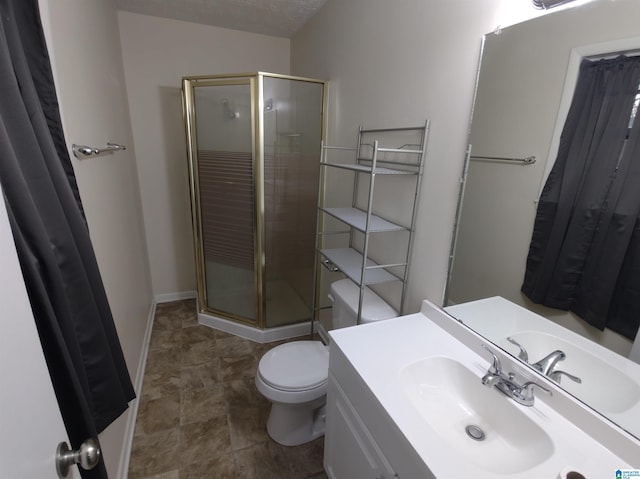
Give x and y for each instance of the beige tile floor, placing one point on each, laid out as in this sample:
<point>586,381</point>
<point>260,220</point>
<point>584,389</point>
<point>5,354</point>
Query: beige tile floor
<point>200,415</point>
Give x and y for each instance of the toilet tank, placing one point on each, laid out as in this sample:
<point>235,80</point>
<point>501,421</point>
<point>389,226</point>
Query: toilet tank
<point>344,296</point>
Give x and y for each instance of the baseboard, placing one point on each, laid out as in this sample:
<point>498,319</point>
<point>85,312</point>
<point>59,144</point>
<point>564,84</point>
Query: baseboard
<point>125,456</point>
<point>168,297</point>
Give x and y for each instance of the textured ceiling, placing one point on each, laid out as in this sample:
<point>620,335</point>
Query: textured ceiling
<point>280,18</point>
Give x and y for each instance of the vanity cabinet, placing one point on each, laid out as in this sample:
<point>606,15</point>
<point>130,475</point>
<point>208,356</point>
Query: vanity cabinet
<point>350,450</point>
<point>386,168</point>
<point>362,441</point>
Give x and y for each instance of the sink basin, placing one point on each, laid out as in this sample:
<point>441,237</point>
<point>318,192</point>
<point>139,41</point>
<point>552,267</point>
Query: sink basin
<point>450,398</point>
<point>604,387</point>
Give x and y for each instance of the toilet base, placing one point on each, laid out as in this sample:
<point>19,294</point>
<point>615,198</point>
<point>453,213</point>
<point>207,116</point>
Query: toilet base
<point>292,425</point>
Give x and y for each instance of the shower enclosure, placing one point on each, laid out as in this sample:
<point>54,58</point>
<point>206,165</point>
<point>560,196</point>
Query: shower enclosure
<point>254,150</point>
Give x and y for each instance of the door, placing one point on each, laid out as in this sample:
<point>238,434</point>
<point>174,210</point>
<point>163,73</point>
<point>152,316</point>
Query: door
<point>223,189</point>
<point>30,422</point>
<point>292,125</point>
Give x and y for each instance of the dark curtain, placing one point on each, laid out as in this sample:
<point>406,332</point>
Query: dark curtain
<point>585,248</point>
<point>65,289</point>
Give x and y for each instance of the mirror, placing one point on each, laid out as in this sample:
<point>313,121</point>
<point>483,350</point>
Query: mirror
<point>525,85</point>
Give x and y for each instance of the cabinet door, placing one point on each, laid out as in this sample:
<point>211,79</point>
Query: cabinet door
<point>349,450</point>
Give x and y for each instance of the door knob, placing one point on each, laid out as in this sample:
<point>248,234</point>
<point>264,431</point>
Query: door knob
<point>87,456</point>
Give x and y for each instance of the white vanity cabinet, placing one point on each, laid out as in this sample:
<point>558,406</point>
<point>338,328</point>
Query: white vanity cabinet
<point>362,441</point>
<point>350,451</point>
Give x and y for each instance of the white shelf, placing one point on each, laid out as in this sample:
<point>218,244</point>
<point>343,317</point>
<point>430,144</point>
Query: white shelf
<point>358,219</point>
<point>350,263</point>
<point>367,169</point>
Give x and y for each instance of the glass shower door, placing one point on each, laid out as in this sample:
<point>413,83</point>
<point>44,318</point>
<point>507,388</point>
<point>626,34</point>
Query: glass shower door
<point>226,192</point>
<point>292,134</point>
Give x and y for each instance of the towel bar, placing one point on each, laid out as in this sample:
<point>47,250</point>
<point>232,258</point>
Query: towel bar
<point>83,151</point>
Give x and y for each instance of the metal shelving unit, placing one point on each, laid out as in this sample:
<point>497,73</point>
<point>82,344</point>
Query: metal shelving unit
<point>379,153</point>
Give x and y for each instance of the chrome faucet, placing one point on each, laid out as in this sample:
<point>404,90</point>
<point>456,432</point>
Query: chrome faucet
<point>522,354</point>
<point>525,395</point>
<point>521,393</point>
<point>546,364</point>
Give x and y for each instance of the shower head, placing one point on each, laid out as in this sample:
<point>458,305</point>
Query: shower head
<point>229,113</point>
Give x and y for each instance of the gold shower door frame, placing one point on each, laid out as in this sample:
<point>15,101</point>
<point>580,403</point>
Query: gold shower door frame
<point>255,81</point>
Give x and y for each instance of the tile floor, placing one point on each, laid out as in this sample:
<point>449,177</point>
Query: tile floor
<point>200,415</point>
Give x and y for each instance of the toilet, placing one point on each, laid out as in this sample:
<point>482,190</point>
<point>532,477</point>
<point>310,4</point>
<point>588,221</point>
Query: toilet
<point>293,376</point>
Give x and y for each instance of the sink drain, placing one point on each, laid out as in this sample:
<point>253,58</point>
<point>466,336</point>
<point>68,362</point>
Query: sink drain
<point>475,432</point>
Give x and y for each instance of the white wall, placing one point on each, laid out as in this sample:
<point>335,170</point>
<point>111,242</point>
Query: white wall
<point>85,52</point>
<point>157,53</point>
<point>396,64</point>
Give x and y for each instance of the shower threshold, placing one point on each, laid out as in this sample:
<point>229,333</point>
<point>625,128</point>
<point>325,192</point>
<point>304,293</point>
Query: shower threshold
<point>255,334</point>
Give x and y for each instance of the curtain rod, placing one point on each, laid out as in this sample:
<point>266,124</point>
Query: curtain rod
<point>545,4</point>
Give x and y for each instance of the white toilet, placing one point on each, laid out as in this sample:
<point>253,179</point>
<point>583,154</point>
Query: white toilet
<point>293,376</point>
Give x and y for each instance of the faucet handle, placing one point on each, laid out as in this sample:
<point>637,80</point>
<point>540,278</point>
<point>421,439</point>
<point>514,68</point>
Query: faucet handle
<point>525,393</point>
<point>496,367</point>
<point>529,385</point>
<point>522,354</point>
<point>557,375</point>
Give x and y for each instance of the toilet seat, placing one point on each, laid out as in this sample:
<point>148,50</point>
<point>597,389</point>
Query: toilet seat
<point>295,366</point>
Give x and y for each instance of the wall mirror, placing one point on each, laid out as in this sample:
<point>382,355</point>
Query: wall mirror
<point>525,85</point>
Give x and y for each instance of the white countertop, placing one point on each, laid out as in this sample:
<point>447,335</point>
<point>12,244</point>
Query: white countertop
<point>379,351</point>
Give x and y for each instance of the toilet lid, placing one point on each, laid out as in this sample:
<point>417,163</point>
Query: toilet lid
<point>295,366</point>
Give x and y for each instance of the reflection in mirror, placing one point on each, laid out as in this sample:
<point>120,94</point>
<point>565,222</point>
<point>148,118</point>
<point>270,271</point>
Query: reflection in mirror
<point>525,86</point>
<point>549,3</point>
<point>596,375</point>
